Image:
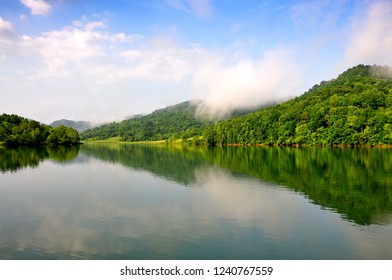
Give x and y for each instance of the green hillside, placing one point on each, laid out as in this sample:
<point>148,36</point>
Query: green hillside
<point>353,109</point>
<point>176,121</point>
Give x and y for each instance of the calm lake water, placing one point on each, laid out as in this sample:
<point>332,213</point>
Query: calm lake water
<point>147,202</point>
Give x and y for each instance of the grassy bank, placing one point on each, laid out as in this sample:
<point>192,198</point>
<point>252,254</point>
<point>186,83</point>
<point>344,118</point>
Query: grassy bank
<point>117,140</point>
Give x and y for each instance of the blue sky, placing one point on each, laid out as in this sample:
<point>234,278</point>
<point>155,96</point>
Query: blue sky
<point>104,60</point>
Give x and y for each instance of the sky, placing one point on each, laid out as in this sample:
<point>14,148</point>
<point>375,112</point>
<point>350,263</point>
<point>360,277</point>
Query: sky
<point>103,61</point>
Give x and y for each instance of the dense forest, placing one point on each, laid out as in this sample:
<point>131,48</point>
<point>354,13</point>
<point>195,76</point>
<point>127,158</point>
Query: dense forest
<point>177,121</point>
<point>353,109</point>
<point>19,131</point>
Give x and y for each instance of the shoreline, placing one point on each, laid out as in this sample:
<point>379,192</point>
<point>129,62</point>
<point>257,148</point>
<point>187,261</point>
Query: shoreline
<point>116,140</point>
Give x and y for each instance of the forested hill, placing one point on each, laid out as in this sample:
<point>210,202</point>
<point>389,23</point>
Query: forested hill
<point>175,121</point>
<point>16,131</point>
<point>80,126</point>
<point>353,109</point>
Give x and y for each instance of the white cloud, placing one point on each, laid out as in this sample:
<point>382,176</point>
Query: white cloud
<point>5,26</point>
<point>71,48</point>
<point>106,71</point>
<point>7,36</point>
<point>223,84</point>
<point>88,59</point>
<point>308,14</point>
<point>371,37</point>
<point>201,8</point>
<point>162,61</point>
<point>37,7</point>
<point>247,83</point>
<point>177,4</point>
<point>22,17</point>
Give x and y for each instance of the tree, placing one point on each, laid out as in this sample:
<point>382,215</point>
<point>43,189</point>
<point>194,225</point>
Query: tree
<point>16,130</point>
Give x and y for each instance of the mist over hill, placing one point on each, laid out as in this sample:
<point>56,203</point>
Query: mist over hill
<point>80,126</point>
<point>177,121</point>
<point>173,121</point>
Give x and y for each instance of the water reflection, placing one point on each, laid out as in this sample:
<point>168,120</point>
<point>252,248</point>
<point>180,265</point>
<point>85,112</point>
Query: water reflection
<point>14,159</point>
<point>357,183</point>
<point>110,202</point>
<point>78,212</point>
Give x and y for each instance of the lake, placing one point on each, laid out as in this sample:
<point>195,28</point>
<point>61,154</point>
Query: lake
<point>117,201</point>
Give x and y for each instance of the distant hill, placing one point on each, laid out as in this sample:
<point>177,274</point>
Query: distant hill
<point>173,121</point>
<point>176,121</point>
<point>80,126</point>
<point>353,109</point>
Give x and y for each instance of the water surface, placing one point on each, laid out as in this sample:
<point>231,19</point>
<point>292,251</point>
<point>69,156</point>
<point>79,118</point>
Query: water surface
<point>144,202</point>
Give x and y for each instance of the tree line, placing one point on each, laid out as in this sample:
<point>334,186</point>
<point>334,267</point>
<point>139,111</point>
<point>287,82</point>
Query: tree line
<point>18,131</point>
